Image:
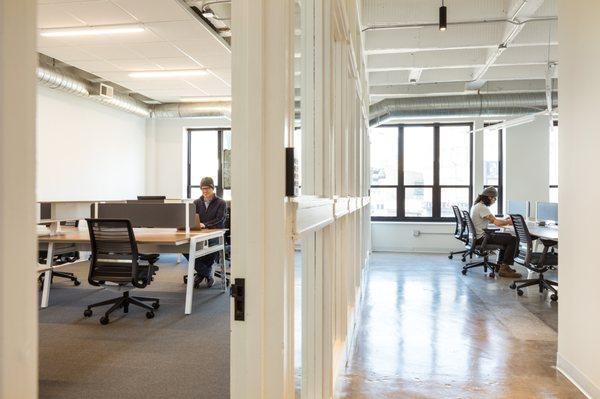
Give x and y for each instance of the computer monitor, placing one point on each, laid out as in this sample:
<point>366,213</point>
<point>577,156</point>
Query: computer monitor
<point>547,211</point>
<point>518,208</point>
<point>151,197</point>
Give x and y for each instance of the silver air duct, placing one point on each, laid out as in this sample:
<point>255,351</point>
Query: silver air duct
<point>467,106</point>
<point>56,79</point>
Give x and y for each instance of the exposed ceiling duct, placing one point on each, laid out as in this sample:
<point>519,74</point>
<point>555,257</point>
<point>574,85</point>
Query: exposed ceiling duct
<point>468,106</point>
<point>61,80</point>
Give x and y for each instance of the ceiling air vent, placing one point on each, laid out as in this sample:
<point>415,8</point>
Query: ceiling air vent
<point>102,90</point>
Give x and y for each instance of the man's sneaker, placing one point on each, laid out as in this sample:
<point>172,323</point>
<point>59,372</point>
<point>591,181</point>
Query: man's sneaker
<point>209,282</point>
<point>507,271</point>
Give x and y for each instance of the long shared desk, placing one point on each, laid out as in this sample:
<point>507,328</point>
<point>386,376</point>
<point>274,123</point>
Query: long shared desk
<point>149,240</point>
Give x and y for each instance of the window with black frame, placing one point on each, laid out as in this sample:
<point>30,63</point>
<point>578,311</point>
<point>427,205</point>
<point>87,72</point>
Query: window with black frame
<point>209,154</point>
<point>493,164</point>
<point>419,171</point>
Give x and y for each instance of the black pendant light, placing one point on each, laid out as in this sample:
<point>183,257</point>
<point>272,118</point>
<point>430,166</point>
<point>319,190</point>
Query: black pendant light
<point>443,18</point>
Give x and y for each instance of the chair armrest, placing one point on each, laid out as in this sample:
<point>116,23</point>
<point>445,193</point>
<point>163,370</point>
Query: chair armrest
<point>548,243</point>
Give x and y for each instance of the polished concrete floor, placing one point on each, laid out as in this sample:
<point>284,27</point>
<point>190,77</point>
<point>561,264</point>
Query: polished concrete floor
<point>426,331</point>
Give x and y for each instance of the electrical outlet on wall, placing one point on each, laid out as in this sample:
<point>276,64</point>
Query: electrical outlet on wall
<point>416,233</point>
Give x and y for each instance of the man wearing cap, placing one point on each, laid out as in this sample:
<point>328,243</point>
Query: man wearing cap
<point>211,212</point>
<point>482,216</point>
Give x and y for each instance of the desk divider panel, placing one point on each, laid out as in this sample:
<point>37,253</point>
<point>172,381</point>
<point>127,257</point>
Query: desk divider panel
<point>149,214</point>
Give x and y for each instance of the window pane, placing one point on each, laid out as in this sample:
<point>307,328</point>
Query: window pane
<point>455,155</point>
<point>383,201</point>
<point>417,202</point>
<point>384,155</point>
<point>491,152</point>
<point>454,196</point>
<point>553,194</point>
<point>418,155</point>
<point>196,192</point>
<point>554,156</point>
<point>204,156</point>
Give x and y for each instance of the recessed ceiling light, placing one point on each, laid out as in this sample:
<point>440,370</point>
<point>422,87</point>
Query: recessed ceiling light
<point>204,99</point>
<point>92,30</point>
<point>169,73</point>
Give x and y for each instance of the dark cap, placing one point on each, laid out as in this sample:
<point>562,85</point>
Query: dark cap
<point>207,182</point>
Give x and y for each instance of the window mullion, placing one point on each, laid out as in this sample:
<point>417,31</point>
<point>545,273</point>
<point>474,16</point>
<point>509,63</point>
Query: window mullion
<point>436,194</point>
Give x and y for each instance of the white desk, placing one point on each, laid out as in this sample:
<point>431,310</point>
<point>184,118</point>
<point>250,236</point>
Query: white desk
<point>149,241</point>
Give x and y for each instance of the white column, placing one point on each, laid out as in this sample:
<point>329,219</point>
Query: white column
<point>262,117</point>
<point>526,161</point>
<point>477,157</point>
<point>18,260</point>
<point>579,144</point>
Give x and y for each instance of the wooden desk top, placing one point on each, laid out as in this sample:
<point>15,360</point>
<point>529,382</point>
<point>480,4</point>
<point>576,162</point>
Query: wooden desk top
<point>142,236</point>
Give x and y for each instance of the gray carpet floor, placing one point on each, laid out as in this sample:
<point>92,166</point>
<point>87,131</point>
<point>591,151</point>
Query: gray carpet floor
<point>169,356</point>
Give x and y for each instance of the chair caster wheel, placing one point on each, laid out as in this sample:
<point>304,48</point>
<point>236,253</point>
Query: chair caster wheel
<point>104,320</point>
<point>492,274</point>
<point>184,279</point>
<point>87,313</point>
<point>520,292</point>
<point>554,297</point>
<point>512,286</point>
<point>464,259</point>
<point>76,283</point>
<point>450,256</point>
<point>464,272</point>
<point>155,305</point>
<point>149,315</point>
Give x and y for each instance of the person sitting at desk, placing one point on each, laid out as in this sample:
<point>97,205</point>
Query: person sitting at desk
<point>482,216</point>
<point>211,215</point>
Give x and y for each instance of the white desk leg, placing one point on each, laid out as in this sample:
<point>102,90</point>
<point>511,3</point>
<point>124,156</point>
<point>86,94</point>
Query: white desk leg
<point>47,275</point>
<point>178,258</point>
<point>222,263</point>
<point>189,290</point>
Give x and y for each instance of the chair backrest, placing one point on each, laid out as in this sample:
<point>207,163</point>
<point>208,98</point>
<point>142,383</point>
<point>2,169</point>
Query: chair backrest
<point>522,233</point>
<point>470,227</point>
<point>459,229</point>
<point>114,251</point>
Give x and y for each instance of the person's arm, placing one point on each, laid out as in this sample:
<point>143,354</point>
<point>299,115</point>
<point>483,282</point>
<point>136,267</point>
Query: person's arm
<point>219,217</point>
<point>497,222</point>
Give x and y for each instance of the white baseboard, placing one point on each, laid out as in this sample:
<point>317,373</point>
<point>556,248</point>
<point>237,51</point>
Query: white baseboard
<point>414,250</point>
<point>580,380</point>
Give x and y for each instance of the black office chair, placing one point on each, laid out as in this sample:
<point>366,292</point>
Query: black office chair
<point>115,259</point>
<point>227,240</point>
<point>460,233</point>
<point>483,249</point>
<point>538,262</point>
<point>66,253</point>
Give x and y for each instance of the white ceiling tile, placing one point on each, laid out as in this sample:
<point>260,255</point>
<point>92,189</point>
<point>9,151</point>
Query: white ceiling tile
<point>68,54</point>
<point>202,48</point>
<point>181,30</point>
<point>146,36</point>
<point>112,52</point>
<point>175,63</point>
<point>93,66</point>
<point>50,42</point>
<point>224,74</point>
<point>54,16</point>
<point>154,10</point>
<point>135,65</point>
<point>156,50</point>
<point>98,13</point>
<point>219,92</point>
<point>207,83</point>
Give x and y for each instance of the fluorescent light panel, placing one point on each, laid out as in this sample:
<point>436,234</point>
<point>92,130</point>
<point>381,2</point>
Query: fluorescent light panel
<point>169,73</point>
<point>92,30</point>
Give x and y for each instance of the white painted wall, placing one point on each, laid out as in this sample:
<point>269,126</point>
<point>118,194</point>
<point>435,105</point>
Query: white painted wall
<point>166,156</point>
<point>526,166</point>
<point>579,142</point>
<point>87,150</point>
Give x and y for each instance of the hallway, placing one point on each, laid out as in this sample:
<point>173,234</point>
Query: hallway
<point>426,331</point>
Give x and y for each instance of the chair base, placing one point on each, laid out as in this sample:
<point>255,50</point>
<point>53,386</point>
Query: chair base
<point>67,275</point>
<point>485,263</point>
<point>123,302</point>
<point>541,282</point>
<point>464,254</point>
